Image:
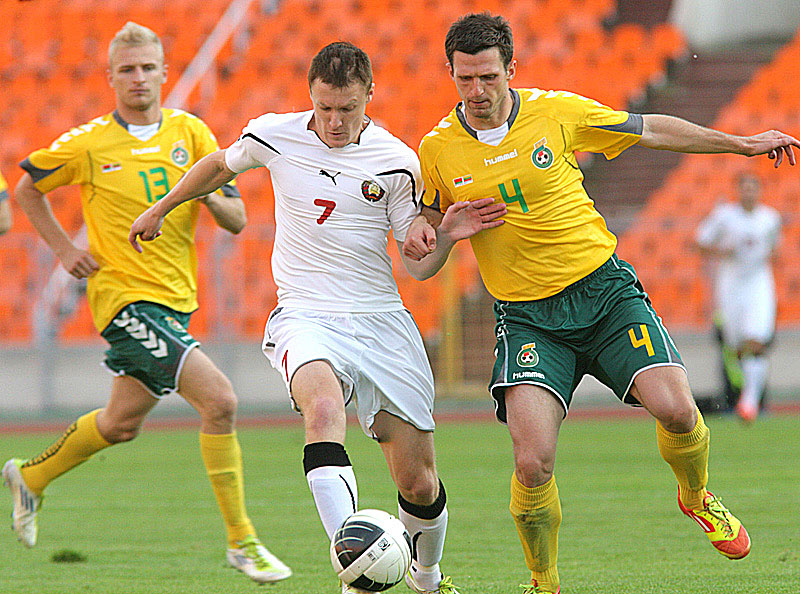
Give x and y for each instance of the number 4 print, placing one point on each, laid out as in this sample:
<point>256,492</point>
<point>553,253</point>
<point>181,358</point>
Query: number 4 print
<point>328,205</point>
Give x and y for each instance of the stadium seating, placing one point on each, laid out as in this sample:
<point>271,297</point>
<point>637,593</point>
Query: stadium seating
<point>675,210</point>
<point>54,77</point>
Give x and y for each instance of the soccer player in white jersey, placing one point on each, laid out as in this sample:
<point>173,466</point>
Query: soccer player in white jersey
<point>742,238</point>
<point>340,331</point>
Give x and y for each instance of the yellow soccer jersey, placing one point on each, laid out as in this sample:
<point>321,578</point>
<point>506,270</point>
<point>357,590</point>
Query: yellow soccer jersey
<point>121,176</point>
<point>553,235</point>
<point>3,188</point>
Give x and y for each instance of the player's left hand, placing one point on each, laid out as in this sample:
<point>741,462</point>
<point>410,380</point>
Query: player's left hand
<point>147,227</point>
<point>774,144</point>
<point>465,219</point>
<point>420,239</point>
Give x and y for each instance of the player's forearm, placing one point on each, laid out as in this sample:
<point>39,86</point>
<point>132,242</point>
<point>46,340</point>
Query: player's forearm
<point>206,176</point>
<point>6,218</point>
<point>228,212</point>
<point>37,208</point>
<point>669,133</point>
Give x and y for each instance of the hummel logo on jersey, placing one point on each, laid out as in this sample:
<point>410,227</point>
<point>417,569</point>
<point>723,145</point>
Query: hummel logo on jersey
<point>326,174</point>
<point>146,150</point>
<point>499,158</point>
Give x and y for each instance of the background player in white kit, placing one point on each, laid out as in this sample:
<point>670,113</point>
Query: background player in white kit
<point>742,238</point>
<point>340,330</point>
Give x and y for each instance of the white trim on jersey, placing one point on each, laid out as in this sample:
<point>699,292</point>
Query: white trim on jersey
<point>333,210</point>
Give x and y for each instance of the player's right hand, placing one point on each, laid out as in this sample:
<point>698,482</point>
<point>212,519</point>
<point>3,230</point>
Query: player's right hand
<point>147,227</point>
<point>79,263</point>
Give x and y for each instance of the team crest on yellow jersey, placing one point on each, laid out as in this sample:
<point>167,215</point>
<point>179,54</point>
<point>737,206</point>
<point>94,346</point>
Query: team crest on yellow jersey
<point>527,357</point>
<point>371,191</point>
<point>542,157</point>
<point>179,154</point>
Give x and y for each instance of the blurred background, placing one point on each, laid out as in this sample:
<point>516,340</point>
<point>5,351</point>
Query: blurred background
<point>729,64</point>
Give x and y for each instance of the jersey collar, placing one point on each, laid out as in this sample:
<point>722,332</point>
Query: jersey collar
<point>510,121</point>
<point>124,124</point>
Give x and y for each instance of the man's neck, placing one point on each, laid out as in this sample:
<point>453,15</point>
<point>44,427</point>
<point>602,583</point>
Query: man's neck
<point>151,115</point>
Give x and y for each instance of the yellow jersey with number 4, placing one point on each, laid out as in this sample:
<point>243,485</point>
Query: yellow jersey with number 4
<point>553,235</point>
<point>120,176</point>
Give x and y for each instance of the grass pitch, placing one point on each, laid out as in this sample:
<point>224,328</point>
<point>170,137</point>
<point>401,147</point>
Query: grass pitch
<point>143,516</point>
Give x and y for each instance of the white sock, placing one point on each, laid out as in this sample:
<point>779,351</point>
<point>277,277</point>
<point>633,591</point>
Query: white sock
<point>335,494</point>
<point>427,538</point>
<point>754,370</point>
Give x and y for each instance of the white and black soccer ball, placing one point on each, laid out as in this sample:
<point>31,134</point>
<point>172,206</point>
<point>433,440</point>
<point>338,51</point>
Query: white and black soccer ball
<point>371,550</point>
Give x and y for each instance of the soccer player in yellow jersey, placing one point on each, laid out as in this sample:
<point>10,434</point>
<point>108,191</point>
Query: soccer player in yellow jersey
<point>566,305</point>
<point>125,161</point>
<point>5,207</point>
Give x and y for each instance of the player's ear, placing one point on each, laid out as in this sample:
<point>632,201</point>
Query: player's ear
<point>164,73</point>
<point>511,70</point>
<point>370,92</point>
<point>450,69</point>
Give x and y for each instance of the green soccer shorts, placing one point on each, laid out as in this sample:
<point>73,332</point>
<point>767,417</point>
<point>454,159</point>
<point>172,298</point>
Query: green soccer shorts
<point>603,325</point>
<point>150,343</point>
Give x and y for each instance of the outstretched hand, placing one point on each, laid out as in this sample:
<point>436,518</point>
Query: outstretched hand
<point>465,219</point>
<point>147,227</point>
<point>774,144</point>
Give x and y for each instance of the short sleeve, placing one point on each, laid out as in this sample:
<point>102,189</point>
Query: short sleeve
<point>434,192</point>
<point>3,189</point>
<point>63,163</point>
<point>253,148</point>
<point>596,128</point>
<point>404,199</point>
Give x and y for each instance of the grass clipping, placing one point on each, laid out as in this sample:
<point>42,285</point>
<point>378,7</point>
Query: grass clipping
<point>67,556</point>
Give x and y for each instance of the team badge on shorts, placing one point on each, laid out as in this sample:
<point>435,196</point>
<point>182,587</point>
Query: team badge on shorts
<point>371,191</point>
<point>527,357</point>
<point>179,154</point>
<point>542,157</point>
<point>175,324</point>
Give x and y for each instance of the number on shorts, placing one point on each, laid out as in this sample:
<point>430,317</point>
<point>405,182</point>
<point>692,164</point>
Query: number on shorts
<point>328,205</point>
<point>643,341</point>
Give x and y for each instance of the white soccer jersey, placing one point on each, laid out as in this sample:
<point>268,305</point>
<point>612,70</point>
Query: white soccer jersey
<point>333,210</point>
<point>744,287</point>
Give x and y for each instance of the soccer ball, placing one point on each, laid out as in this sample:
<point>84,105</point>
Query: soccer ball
<point>371,550</point>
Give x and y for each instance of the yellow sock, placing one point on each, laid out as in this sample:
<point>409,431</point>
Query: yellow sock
<point>537,514</point>
<point>687,454</point>
<point>76,445</point>
<point>223,459</point>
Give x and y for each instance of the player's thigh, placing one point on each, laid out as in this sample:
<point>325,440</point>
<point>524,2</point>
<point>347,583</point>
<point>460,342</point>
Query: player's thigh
<point>410,456</point>
<point>204,386</point>
<point>149,342</point>
<point>534,418</point>
<point>629,340</point>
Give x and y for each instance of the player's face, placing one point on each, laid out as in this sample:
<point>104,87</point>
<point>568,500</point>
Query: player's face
<point>749,192</point>
<point>136,73</point>
<point>482,83</point>
<point>339,112</point>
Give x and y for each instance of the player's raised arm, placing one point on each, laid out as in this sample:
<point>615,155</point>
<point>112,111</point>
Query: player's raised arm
<point>675,134</point>
<point>206,176</point>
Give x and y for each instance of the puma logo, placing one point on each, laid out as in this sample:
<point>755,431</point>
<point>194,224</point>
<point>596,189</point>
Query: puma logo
<point>326,174</point>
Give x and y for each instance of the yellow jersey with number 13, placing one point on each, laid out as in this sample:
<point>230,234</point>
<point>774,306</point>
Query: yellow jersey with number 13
<point>553,235</point>
<point>120,176</point>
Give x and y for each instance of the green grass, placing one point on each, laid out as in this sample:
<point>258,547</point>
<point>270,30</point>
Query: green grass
<point>143,515</point>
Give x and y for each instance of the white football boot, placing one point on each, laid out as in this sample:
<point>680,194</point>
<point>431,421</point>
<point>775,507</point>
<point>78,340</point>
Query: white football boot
<point>26,503</point>
<point>254,560</point>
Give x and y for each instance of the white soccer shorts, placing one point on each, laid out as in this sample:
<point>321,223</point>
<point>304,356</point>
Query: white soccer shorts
<point>379,359</point>
<point>748,310</point>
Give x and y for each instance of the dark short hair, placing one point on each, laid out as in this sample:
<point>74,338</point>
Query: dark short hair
<point>473,33</point>
<point>340,64</point>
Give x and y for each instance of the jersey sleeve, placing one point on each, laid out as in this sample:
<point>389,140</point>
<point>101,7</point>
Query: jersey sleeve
<point>253,148</point>
<point>434,192</point>
<point>404,199</point>
<point>708,231</point>
<point>63,163</point>
<point>595,128</point>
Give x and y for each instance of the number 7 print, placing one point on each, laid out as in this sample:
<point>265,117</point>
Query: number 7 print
<point>328,205</point>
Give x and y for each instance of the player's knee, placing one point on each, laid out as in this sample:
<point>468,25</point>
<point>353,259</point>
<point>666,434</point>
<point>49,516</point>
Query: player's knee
<point>419,488</point>
<point>121,432</point>
<point>679,418</point>
<point>219,404</point>
<point>533,470</point>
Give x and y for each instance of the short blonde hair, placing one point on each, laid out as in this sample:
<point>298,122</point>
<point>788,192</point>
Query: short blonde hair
<point>133,34</point>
